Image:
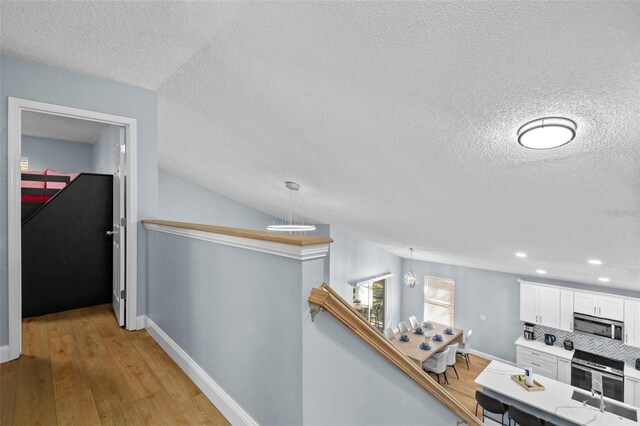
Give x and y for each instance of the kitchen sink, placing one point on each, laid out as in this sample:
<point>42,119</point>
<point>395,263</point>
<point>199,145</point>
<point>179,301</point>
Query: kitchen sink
<point>609,406</point>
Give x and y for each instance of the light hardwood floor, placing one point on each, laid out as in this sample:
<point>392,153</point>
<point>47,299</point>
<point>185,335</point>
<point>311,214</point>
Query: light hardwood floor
<point>464,389</point>
<point>79,368</point>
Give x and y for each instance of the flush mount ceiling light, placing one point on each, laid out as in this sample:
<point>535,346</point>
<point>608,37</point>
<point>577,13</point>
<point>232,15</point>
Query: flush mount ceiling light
<point>547,133</point>
<point>595,262</point>
<point>521,254</point>
<point>541,271</point>
<point>410,278</point>
<point>604,279</point>
<point>292,223</point>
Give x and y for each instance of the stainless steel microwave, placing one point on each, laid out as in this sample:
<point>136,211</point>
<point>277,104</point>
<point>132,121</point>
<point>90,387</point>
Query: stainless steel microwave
<point>598,326</point>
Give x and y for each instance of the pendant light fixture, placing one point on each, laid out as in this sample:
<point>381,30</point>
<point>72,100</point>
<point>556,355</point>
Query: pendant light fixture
<point>410,278</point>
<point>292,223</point>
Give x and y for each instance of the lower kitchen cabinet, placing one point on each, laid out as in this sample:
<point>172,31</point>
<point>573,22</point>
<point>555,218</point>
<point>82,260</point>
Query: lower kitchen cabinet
<point>564,370</point>
<point>541,363</point>
<point>632,391</point>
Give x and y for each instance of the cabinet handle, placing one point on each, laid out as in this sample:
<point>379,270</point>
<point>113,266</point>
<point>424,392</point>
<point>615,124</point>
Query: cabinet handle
<point>571,326</point>
<point>594,310</point>
<point>537,365</point>
<point>535,353</point>
<point>626,338</point>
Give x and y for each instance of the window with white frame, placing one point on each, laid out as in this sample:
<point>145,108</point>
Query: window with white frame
<point>439,300</point>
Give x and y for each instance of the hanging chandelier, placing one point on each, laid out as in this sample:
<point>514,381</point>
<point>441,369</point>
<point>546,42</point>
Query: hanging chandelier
<point>410,278</point>
<point>292,223</point>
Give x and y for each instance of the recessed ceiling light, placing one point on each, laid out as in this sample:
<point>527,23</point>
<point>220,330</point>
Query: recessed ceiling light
<point>595,262</point>
<point>521,254</point>
<point>541,271</point>
<point>546,133</point>
<point>604,279</point>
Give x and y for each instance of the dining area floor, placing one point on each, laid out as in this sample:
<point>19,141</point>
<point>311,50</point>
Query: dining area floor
<point>464,388</point>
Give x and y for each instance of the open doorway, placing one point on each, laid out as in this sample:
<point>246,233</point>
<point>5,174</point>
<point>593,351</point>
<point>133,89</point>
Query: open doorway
<point>74,245</point>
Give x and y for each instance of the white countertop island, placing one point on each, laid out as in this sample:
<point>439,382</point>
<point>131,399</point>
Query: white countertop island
<point>554,400</point>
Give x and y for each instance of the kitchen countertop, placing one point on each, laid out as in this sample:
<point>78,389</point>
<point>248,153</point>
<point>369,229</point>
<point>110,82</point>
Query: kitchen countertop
<point>555,350</point>
<point>555,399</point>
<point>630,371</point>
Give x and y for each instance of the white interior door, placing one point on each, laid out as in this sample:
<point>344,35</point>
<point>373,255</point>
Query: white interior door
<point>118,234</point>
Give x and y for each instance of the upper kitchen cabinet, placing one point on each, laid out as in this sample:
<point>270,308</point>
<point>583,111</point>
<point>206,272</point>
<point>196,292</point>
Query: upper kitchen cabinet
<point>566,310</point>
<point>632,322</point>
<point>540,304</point>
<point>599,305</point>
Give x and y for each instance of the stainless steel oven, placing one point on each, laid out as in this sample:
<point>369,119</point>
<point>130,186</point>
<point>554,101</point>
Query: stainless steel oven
<point>584,364</point>
<point>598,326</point>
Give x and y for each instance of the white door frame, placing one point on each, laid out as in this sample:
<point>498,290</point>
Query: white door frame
<point>15,108</point>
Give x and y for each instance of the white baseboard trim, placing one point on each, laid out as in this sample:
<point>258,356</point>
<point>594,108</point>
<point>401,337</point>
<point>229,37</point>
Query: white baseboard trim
<point>491,357</point>
<point>141,322</point>
<point>223,402</point>
<point>4,353</point>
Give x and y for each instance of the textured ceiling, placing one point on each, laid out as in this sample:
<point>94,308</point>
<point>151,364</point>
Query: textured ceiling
<point>62,128</point>
<point>397,118</point>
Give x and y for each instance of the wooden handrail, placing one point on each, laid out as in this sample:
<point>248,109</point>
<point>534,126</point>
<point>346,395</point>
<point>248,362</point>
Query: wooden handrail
<point>330,301</point>
<point>274,237</point>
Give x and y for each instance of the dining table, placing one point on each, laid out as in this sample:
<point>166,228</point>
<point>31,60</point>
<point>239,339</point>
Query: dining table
<point>412,347</point>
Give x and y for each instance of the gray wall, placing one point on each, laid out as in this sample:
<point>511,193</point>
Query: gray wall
<point>28,80</point>
<point>103,156</point>
<point>236,313</point>
<point>243,316</point>
<point>182,200</point>
<point>353,258</point>
<point>481,292</point>
<point>59,155</point>
<point>345,381</point>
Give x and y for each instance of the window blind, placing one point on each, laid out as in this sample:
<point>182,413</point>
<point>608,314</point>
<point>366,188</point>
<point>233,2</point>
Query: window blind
<point>439,302</point>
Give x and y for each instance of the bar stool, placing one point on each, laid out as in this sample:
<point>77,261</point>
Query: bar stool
<point>523,418</point>
<point>492,405</point>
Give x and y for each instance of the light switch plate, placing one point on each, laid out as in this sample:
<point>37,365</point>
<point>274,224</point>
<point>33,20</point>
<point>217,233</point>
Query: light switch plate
<point>483,317</point>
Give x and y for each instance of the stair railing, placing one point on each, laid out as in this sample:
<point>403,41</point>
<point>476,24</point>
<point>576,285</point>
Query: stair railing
<point>327,299</point>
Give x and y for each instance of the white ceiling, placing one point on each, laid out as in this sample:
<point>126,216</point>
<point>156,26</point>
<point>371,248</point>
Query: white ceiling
<point>398,119</point>
<point>62,128</point>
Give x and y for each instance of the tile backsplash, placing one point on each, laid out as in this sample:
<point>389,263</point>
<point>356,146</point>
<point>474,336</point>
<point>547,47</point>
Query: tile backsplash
<point>589,343</point>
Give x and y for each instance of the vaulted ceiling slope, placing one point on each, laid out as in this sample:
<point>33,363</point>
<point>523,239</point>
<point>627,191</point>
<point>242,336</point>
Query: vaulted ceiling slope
<point>398,119</point>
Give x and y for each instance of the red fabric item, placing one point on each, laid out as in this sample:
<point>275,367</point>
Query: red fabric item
<point>33,198</point>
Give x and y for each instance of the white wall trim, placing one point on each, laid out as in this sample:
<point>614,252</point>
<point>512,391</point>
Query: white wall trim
<point>14,229</point>
<point>4,353</point>
<point>285,250</point>
<point>491,357</point>
<point>363,281</point>
<point>141,322</point>
<point>223,402</point>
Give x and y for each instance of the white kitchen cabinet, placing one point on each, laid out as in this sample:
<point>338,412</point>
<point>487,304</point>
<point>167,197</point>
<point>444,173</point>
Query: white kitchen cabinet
<point>543,364</point>
<point>599,305</point>
<point>632,391</point>
<point>549,307</point>
<point>564,370</point>
<point>632,322</point>
<point>585,303</point>
<point>529,299</point>
<point>566,310</point>
<point>540,305</point>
